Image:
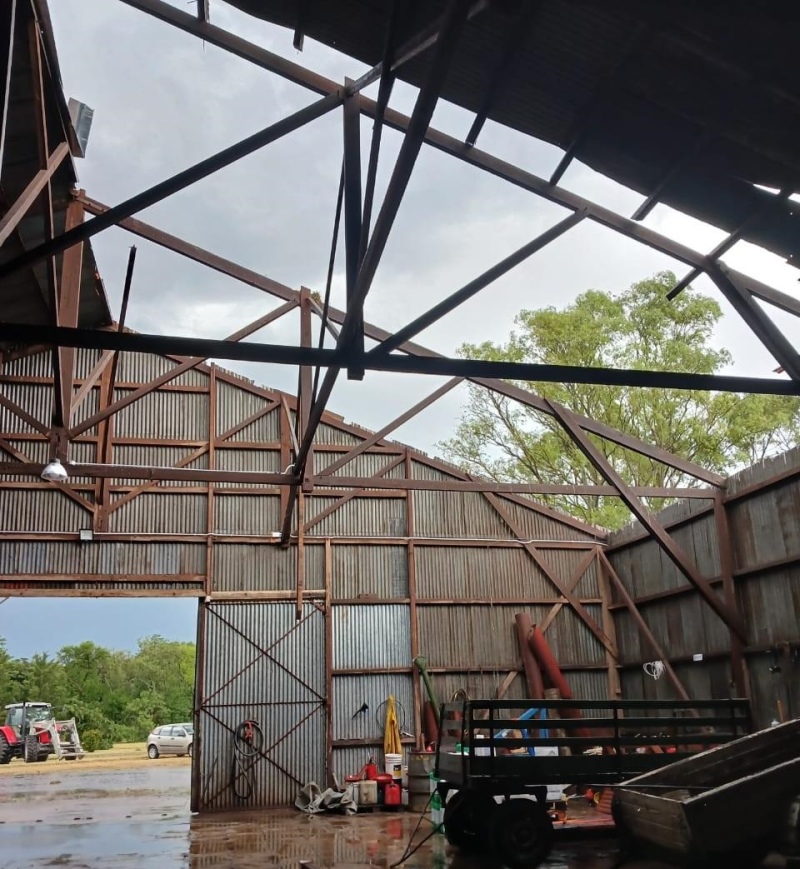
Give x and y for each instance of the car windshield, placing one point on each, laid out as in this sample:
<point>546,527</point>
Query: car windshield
<point>189,728</point>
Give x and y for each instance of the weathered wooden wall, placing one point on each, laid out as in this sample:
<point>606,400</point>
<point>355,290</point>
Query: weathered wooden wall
<point>762,505</point>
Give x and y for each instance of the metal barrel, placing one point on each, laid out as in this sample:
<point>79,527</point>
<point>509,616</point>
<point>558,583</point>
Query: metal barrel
<point>420,766</point>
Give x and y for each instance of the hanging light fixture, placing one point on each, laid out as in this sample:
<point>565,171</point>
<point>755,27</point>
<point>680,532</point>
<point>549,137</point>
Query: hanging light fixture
<point>55,472</point>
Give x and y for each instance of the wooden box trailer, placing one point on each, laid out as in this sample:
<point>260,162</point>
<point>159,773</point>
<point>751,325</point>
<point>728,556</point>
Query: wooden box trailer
<point>727,805</point>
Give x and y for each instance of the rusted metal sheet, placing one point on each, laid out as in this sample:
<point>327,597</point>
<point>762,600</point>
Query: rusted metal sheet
<point>363,465</point>
<point>471,574</point>
<point>267,461</point>
<point>359,517</point>
<point>260,663</point>
<point>350,693</point>
<point>41,510</point>
<point>477,684</point>
<point>162,513</point>
<point>421,471</point>
<point>246,514</point>
<point>153,456</point>
<point>372,571</point>
<point>265,429</point>
<point>441,514</point>
<point>101,557</point>
<point>36,400</point>
<point>540,527</point>
<point>472,637</point>
<point>163,414</point>
<point>371,637</point>
<point>328,434</point>
<point>249,567</point>
<point>571,641</point>
<point>142,367</point>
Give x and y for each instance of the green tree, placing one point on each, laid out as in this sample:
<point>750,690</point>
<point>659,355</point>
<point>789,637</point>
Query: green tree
<point>639,328</point>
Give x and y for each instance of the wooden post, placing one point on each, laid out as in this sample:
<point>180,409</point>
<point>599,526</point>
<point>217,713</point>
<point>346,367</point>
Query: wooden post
<point>607,619</point>
<point>739,680</point>
<point>412,604</point>
<point>212,436</point>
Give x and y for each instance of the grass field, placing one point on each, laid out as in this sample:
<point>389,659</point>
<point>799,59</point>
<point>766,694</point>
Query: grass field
<point>124,755</point>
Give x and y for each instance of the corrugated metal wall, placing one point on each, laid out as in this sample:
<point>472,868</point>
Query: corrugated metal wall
<point>387,575</point>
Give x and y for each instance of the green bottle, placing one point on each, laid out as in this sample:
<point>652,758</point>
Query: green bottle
<point>437,812</point>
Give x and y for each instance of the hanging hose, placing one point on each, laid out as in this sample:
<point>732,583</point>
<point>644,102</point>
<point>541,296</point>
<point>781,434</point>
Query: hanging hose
<point>248,743</point>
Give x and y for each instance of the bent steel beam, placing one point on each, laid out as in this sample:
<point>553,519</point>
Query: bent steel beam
<point>670,548</point>
<point>172,185</point>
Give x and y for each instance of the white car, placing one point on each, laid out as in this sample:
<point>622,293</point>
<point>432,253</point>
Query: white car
<point>170,739</point>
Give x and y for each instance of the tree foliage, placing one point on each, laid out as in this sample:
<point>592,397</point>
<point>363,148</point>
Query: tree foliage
<point>639,328</point>
<point>115,696</point>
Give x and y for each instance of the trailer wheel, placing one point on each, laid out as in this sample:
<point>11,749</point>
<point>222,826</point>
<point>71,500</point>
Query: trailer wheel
<point>522,833</point>
<point>468,818</point>
<point>5,749</point>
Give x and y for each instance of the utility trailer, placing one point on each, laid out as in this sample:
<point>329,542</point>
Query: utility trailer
<point>728,806</point>
<point>597,743</point>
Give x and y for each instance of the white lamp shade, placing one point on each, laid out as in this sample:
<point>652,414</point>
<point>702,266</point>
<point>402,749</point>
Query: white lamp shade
<point>55,472</point>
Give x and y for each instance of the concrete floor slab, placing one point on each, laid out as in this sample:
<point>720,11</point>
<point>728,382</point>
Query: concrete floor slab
<point>140,819</point>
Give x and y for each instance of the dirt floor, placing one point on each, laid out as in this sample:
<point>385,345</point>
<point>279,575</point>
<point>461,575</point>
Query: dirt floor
<point>120,810</point>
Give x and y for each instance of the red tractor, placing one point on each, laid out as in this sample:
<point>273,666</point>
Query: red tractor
<point>27,732</point>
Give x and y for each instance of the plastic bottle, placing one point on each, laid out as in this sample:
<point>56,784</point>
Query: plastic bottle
<point>432,781</point>
<point>437,812</point>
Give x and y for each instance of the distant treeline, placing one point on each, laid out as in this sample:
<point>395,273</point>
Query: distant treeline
<point>114,696</point>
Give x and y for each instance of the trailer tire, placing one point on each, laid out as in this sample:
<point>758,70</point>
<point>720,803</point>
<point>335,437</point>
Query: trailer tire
<point>5,750</point>
<point>522,833</point>
<point>468,816</point>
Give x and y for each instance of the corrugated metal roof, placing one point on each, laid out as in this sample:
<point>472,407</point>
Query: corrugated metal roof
<point>164,414</point>
<point>41,510</point>
<point>439,514</point>
<point>250,567</point>
<point>641,84</point>
<point>24,298</point>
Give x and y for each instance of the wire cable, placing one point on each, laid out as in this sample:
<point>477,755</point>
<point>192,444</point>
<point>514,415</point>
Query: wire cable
<point>248,743</point>
<point>654,669</point>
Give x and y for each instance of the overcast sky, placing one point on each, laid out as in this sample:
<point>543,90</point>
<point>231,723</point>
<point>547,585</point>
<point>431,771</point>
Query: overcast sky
<point>163,100</point>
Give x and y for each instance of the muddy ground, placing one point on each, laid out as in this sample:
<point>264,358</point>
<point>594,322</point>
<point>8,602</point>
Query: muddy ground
<point>119,810</point>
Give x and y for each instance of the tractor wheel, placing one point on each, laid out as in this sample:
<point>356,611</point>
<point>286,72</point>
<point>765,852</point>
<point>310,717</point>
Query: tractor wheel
<point>5,749</point>
<point>31,754</point>
<point>522,834</point>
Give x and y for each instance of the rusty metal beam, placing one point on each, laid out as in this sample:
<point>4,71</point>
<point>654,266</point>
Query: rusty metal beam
<point>8,27</point>
<point>353,493</point>
<point>519,532</point>
<point>23,414</point>
<point>174,184</point>
<point>351,169</point>
<point>760,324</point>
<point>572,584</point>
<point>31,193</point>
<point>474,287</point>
<point>443,142</point>
<point>69,299</point>
<point>646,518</point>
<point>162,379</point>
<point>376,333</point>
<point>390,427</point>
<point>730,240</point>
<point>644,629</point>
<point>335,359</point>
<point>452,25</point>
